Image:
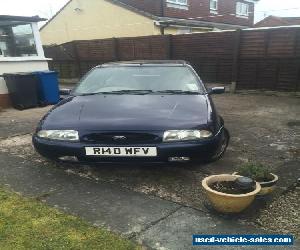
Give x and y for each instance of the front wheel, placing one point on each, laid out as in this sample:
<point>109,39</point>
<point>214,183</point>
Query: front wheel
<point>222,147</point>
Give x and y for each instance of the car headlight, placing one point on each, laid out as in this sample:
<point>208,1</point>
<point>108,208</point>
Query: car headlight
<point>63,135</point>
<point>186,135</point>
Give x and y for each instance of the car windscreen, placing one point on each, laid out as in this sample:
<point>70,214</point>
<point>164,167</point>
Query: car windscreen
<point>140,79</point>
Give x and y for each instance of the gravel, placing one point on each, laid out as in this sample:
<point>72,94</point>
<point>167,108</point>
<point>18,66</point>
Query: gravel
<point>283,214</point>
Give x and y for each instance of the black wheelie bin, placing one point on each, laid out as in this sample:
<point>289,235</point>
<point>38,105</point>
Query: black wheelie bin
<point>23,89</point>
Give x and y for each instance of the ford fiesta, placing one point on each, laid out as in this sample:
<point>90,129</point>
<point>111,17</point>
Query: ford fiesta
<point>147,111</point>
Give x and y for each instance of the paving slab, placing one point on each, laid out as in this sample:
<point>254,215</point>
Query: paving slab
<point>102,204</point>
<point>175,232</point>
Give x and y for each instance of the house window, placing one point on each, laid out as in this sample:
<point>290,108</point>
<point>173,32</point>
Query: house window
<point>242,9</point>
<point>179,2</point>
<point>17,40</point>
<point>213,5</point>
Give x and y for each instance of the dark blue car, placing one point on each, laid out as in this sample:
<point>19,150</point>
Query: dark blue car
<point>146,111</point>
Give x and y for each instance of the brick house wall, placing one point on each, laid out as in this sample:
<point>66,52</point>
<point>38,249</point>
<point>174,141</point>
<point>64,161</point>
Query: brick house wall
<point>198,10</point>
<point>151,6</point>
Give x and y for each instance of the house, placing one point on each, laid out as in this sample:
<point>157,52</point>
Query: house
<point>272,21</point>
<point>20,49</point>
<point>99,19</point>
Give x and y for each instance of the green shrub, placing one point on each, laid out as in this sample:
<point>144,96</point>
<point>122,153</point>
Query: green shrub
<point>255,171</point>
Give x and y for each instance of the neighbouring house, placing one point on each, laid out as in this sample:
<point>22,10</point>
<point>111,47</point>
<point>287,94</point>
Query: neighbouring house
<point>20,49</point>
<point>273,21</point>
<point>99,19</point>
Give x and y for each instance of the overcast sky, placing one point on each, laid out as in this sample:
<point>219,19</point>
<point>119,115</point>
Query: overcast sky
<point>46,8</point>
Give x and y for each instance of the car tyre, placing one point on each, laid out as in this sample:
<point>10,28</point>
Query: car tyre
<point>222,148</point>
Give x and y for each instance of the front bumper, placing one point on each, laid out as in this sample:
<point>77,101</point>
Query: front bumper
<point>195,150</point>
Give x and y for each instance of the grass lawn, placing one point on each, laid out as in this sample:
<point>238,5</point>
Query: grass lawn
<point>30,224</point>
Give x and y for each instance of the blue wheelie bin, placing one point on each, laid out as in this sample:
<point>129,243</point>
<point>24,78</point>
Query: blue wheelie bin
<point>48,88</point>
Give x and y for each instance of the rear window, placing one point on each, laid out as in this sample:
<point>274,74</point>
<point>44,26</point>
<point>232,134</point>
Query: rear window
<point>152,78</point>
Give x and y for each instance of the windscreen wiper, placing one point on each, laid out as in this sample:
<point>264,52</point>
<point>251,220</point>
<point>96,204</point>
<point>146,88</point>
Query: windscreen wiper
<point>120,92</point>
<point>182,92</point>
<point>132,91</point>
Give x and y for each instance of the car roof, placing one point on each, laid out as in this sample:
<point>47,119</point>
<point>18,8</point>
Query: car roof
<point>147,63</point>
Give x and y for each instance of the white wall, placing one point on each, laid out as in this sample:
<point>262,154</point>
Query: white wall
<point>24,64</point>
<point>7,66</point>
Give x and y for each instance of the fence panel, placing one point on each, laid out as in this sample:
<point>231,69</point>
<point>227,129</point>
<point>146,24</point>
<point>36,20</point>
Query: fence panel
<point>254,58</point>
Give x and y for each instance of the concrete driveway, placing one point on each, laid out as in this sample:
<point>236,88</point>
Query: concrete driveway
<point>264,128</point>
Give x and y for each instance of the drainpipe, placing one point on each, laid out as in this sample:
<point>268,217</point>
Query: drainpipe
<point>161,26</point>
<point>162,13</point>
<point>162,8</point>
<point>162,30</point>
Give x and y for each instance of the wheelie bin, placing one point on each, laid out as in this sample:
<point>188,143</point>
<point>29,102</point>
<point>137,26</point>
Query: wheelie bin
<point>48,89</point>
<point>23,89</point>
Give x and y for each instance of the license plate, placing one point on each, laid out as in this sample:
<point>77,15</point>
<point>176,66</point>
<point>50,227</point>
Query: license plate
<point>121,151</point>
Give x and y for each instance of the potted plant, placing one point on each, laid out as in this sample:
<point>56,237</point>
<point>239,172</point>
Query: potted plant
<point>226,196</point>
<point>261,174</point>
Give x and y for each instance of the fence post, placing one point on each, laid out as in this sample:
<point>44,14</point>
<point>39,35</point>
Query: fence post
<point>297,54</point>
<point>77,60</point>
<point>235,62</point>
<point>116,49</point>
<point>267,41</point>
<point>297,87</point>
<point>278,62</point>
<point>170,47</point>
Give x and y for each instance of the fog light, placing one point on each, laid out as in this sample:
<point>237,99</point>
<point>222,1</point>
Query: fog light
<point>179,159</point>
<point>68,158</point>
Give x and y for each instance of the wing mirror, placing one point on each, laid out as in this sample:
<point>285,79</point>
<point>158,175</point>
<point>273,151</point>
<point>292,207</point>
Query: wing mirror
<point>64,93</point>
<point>216,90</point>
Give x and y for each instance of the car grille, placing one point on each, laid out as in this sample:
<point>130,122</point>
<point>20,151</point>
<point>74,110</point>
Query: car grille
<point>130,138</point>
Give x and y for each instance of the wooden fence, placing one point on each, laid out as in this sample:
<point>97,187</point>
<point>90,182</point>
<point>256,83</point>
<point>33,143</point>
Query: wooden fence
<point>254,58</point>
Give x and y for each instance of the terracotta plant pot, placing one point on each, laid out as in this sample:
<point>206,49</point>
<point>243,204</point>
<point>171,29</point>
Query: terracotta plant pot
<point>228,203</point>
<point>267,187</point>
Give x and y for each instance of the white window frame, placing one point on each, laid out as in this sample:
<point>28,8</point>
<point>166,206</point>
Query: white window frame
<point>242,9</point>
<point>38,46</point>
<point>212,3</point>
<point>178,2</point>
